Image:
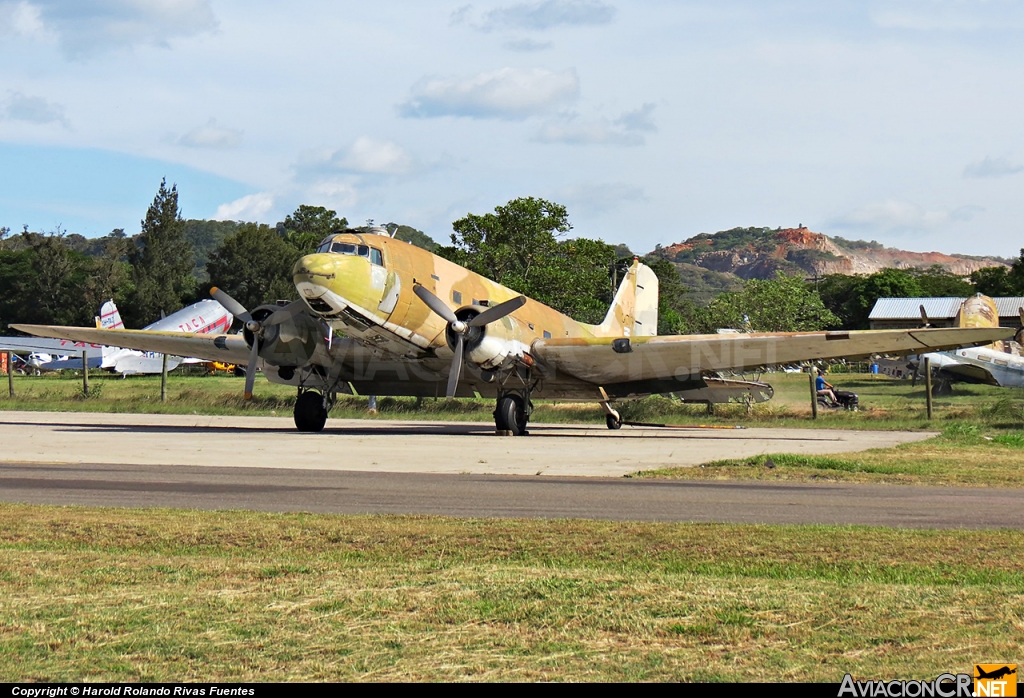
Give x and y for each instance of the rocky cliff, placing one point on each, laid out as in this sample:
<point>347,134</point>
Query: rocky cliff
<point>758,253</point>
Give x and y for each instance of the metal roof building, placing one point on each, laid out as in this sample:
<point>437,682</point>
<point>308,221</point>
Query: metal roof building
<point>904,313</point>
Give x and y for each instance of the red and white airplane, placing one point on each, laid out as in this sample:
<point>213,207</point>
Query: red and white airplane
<point>203,317</point>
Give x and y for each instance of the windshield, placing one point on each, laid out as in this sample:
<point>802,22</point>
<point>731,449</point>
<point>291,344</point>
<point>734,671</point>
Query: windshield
<point>344,248</point>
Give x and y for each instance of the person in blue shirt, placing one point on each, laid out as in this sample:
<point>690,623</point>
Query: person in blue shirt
<point>824,388</point>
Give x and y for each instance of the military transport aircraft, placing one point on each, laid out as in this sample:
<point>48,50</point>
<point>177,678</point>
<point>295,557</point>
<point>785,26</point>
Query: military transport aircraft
<point>992,364</point>
<point>379,316</point>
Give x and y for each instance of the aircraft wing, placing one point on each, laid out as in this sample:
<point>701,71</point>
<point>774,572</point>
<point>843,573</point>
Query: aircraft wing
<point>969,372</point>
<point>56,347</point>
<point>229,348</point>
<point>606,361</point>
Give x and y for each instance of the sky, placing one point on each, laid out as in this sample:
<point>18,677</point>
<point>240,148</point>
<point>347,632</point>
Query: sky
<point>651,121</point>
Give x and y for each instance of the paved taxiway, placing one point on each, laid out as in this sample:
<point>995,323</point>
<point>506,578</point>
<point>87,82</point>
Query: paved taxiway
<point>454,469</point>
<point>400,446</point>
<point>347,492</point>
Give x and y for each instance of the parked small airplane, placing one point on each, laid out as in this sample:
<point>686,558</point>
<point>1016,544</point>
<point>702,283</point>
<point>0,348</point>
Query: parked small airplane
<point>60,354</point>
<point>992,364</point>
<point>380,316</point>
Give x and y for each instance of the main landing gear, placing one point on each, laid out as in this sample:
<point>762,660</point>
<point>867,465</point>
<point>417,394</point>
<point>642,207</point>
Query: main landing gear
<point>512,412</point>
<point>310,411</point>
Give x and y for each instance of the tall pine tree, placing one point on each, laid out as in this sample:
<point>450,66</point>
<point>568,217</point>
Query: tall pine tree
<point>161,263</point>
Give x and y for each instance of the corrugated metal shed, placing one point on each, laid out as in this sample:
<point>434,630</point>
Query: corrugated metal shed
<point>1009,306</point>
<point>910,308</point>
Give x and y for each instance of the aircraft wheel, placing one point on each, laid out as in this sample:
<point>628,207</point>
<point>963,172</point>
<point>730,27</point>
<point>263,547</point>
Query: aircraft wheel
<point>613,421</point>
<point>510,415</point>
<point>310,413</point>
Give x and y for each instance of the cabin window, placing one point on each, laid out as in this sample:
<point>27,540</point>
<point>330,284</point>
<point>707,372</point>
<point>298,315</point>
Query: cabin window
<point>376,257</point>
<point>547,335</point>
<point>983,357</point>
<point>457,297</point>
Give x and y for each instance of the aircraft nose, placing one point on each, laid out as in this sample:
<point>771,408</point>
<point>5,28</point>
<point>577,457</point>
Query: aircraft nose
<point>314,268</point>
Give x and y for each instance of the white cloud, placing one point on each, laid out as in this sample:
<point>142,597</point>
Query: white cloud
<point>21,18</point>
<point>364,156</point>
<point>509,93</point>
<point>248,208</point>
<point>576,132</point>
<point>211,135</point>
<point>901,216</point>
<point>623,131</point>
<point>599,197</point>
<point>641,119</point>
<point>338,194</point>
<point>992,167</point>
<point>947,15</point>
<point>35,110</point>
<point>539,16</point>
<point>87,27</point>
<point>526,45</point>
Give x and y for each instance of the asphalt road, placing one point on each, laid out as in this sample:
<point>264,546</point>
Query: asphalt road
<point>350,492</point>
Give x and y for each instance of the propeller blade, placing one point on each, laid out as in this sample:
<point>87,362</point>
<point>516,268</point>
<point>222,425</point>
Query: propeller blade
<point>924,316</point>
<point>497,312</point>
<point>456,370</point>
<point>230,304</point>
<point>250,369</point>
<point>285,313</point>
<point>435,304</point>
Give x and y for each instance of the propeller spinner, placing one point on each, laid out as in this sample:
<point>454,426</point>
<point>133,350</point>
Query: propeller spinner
<point>461,328</point>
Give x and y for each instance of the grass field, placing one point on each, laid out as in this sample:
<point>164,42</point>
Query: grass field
<point>152,595</point>
<point>887,403</point>
<point>962,456</point>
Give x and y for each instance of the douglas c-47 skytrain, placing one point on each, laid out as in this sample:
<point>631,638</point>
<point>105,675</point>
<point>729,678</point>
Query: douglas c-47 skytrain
<point>380,316</point>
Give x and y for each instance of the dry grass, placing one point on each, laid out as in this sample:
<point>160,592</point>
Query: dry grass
<point>125,595</point>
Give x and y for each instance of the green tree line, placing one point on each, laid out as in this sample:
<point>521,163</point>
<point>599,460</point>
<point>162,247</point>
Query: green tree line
<point>524,244</point>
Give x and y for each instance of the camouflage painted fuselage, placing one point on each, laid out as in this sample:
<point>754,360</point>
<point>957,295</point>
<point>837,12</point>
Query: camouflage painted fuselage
<point>392,343</point>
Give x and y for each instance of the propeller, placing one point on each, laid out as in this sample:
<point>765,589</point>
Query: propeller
<point>256,327</point>
<point>1019,338</point>
<point>924,318</point>
<point>461,328</point>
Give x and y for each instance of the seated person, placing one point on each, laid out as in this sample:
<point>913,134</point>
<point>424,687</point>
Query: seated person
<point>824,388</point>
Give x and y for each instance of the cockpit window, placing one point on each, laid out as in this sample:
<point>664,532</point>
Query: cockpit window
<point>344,248</point>
<point>376,257</point>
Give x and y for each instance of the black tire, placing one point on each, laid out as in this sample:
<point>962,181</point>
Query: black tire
<point>310,413</point>
<point>510,416</point>
<point>612,421</point>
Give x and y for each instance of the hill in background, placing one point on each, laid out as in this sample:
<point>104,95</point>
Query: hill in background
<point>758,253</point>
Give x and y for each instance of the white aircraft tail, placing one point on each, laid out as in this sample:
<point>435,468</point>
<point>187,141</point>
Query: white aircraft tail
<point>634,311</point>
<point>109,319</point>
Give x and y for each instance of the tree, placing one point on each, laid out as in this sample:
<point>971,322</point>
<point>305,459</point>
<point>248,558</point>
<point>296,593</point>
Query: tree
<point>308,225</point>
<point>517,246</point>
<point>254,265</point>
<point>992,281</point>
<point>782,304</point>
<point>413,237</point>
<point>937,282</point>
<point>162,262</point>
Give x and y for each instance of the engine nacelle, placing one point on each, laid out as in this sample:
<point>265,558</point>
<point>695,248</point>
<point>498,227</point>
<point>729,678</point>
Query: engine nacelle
<point>495,346</point>
<point>290,343</point>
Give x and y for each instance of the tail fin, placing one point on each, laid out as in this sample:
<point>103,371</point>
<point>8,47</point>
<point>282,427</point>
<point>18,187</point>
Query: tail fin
<point>634,312</point>
<point>980,311</point>
<point>109,319</point>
